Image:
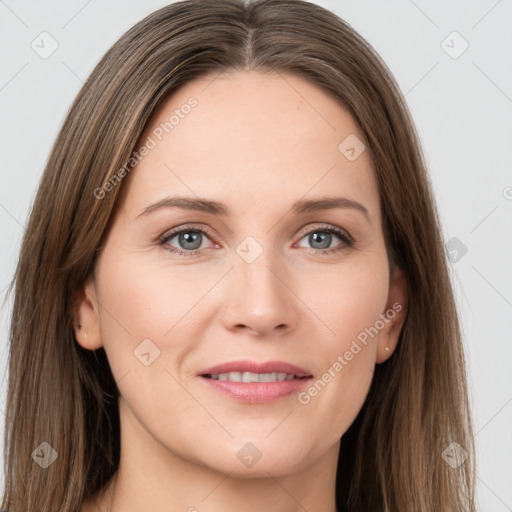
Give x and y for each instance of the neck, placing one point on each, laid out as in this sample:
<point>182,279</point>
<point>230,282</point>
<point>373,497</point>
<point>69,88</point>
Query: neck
<point>152,477</point>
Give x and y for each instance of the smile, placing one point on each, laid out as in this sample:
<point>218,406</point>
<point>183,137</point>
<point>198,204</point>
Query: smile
<point>254,382</point>
<point>252,377</point>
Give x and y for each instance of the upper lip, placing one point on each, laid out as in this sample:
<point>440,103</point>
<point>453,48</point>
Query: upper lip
<point>256,367</point>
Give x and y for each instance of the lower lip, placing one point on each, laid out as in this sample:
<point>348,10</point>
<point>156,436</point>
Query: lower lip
<point>257,392</point>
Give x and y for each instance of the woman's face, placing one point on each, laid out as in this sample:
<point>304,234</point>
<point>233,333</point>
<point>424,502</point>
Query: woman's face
<point>256,276</point>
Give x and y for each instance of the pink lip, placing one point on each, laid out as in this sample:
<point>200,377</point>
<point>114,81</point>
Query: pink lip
<point>257,392</point>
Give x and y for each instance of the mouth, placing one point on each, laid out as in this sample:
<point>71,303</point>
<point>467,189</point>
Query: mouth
<point>253,382</point>
<point>253,377</point>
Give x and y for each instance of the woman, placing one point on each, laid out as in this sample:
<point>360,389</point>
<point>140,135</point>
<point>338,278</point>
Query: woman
<point>175,345</point>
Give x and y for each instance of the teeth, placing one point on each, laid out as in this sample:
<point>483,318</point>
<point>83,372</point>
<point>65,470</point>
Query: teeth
<point>250,377</point>
<point>253,377</point>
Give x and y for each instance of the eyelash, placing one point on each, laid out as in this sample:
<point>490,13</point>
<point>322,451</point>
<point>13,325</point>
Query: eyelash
<point>347,240</point>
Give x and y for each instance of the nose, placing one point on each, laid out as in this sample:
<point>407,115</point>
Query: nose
<point>259,297</point>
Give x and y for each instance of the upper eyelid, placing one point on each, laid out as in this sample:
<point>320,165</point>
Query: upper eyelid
<point>327,226</point>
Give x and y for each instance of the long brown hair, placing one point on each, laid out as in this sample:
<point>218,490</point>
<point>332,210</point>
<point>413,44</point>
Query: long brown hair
<point>392,458</point>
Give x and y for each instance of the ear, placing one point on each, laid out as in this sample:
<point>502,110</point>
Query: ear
<point>86,317</point>
<point>393,316</point>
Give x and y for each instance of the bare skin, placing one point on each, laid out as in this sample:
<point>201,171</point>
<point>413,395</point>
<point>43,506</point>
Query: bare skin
<point>258,146</point>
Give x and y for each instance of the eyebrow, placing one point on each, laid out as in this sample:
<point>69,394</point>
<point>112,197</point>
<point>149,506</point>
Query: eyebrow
<point>212,207</point>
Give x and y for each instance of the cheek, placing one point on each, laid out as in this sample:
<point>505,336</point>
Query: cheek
<point>147,294</point>
<point>349,309</point>
<point>142,310</point>
<point>347,298</point>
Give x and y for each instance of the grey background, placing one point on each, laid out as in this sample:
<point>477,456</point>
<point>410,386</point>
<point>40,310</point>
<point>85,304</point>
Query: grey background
<point>462,107</point>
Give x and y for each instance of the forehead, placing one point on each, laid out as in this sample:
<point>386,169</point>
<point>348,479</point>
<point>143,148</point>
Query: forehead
<point>247,137</point>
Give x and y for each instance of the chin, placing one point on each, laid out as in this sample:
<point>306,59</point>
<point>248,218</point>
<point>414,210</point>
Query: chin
<point>240,465</point>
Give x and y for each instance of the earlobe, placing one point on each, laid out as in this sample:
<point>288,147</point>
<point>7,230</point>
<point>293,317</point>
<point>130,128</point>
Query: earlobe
<point>393,315</point>
<point>86,316</point>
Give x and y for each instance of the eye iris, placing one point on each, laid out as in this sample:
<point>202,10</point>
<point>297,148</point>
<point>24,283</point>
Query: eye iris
<point>190,237</point>
<point>323,236</point>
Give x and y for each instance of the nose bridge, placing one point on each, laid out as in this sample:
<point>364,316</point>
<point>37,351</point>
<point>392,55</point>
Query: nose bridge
<point>257,266</point>
<point>260,299</point>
